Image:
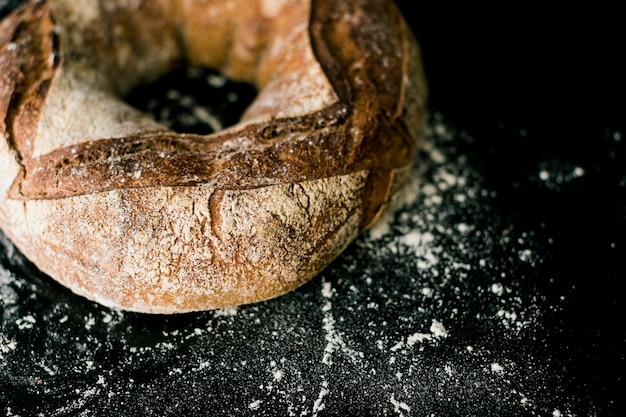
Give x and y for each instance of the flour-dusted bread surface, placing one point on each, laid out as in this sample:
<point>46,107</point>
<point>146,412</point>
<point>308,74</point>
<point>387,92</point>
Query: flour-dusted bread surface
<point>128,213</point>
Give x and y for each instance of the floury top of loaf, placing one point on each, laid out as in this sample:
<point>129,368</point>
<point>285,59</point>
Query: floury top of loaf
<point>128,213</point>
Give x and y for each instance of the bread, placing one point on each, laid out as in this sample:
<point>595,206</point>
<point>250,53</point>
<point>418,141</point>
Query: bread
<point>132,215</point>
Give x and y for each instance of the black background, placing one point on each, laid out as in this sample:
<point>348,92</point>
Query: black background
<point>556,72</point>
<point>555,75</point>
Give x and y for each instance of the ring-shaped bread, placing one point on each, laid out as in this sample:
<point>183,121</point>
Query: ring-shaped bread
<point>132,215</point>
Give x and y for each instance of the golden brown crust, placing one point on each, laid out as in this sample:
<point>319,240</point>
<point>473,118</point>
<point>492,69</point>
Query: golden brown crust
<point>132,215</point>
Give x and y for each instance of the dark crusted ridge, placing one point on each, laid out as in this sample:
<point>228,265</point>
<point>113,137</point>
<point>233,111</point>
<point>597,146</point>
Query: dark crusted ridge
<point>254,156</point>
<point>26,77</point>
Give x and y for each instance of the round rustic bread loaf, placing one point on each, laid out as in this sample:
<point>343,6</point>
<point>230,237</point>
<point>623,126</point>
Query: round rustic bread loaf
<point>128,213</point>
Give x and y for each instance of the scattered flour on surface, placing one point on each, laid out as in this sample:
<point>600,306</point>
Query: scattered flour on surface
<point>399,406</point>
<point>226,312</point>
<point>496,367</point>
<point>429,231</point>
<point>334,339</point>
<point>319,405</point>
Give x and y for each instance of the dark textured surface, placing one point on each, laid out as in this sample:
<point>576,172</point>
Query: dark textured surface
<point>207,90</point>
<point>495,288</point>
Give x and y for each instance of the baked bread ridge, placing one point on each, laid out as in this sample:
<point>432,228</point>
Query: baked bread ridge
<point>246,214</point>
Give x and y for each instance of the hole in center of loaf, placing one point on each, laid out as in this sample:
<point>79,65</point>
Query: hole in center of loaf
<point>194,100</point>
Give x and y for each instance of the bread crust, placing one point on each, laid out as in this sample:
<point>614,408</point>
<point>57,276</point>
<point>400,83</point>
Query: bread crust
<point>127,213</point>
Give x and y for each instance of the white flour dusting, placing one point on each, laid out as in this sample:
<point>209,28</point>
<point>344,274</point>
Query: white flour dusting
<point>319,402</point>
<point>419,314</point>
<point>399,407</point>
<point>333,337</point>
